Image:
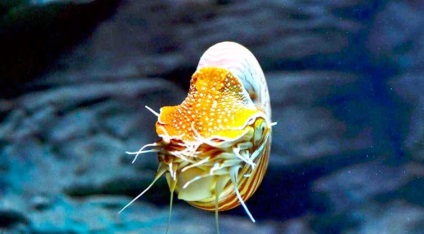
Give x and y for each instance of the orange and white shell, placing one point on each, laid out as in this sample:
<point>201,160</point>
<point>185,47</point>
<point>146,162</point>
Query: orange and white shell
<point>214,146</point>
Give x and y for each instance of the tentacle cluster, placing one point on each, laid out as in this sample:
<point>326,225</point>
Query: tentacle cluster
<point>207,170</point>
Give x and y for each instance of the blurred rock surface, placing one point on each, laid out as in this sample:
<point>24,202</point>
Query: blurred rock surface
<point>346,91</point>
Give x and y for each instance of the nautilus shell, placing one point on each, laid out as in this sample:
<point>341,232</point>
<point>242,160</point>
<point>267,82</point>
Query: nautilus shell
<point>214,146</point>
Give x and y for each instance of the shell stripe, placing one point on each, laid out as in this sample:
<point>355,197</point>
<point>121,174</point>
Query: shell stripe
<point>247,187</point>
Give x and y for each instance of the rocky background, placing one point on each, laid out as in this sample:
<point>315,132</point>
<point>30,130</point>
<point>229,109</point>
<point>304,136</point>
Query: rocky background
<point>346,86</point>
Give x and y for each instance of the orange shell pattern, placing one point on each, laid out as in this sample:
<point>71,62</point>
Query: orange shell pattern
<point>215,107</point>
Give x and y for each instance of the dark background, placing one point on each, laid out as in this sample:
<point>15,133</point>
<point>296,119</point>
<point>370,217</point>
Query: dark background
<point>346,85</point>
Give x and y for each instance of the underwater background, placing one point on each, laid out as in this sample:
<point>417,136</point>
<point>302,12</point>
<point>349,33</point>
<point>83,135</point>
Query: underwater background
<point>347,90</point>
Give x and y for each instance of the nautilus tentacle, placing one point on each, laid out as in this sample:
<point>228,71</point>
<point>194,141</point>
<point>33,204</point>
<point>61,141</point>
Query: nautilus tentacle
<point>214,146</point>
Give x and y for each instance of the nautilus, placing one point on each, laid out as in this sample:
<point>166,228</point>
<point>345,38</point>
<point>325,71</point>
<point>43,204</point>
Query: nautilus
<point>214,147</point>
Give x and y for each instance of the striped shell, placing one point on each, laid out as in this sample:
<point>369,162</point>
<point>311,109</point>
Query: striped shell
<point>214,146</point>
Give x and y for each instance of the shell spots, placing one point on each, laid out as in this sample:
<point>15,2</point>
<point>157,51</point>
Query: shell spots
<point>216,105</point>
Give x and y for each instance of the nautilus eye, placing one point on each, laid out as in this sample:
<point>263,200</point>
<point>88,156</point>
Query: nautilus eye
<point>260,127</point>
<point>214,146</point>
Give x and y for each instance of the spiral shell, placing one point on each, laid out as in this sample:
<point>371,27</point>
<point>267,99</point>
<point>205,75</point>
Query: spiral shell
<point>214,146</point>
